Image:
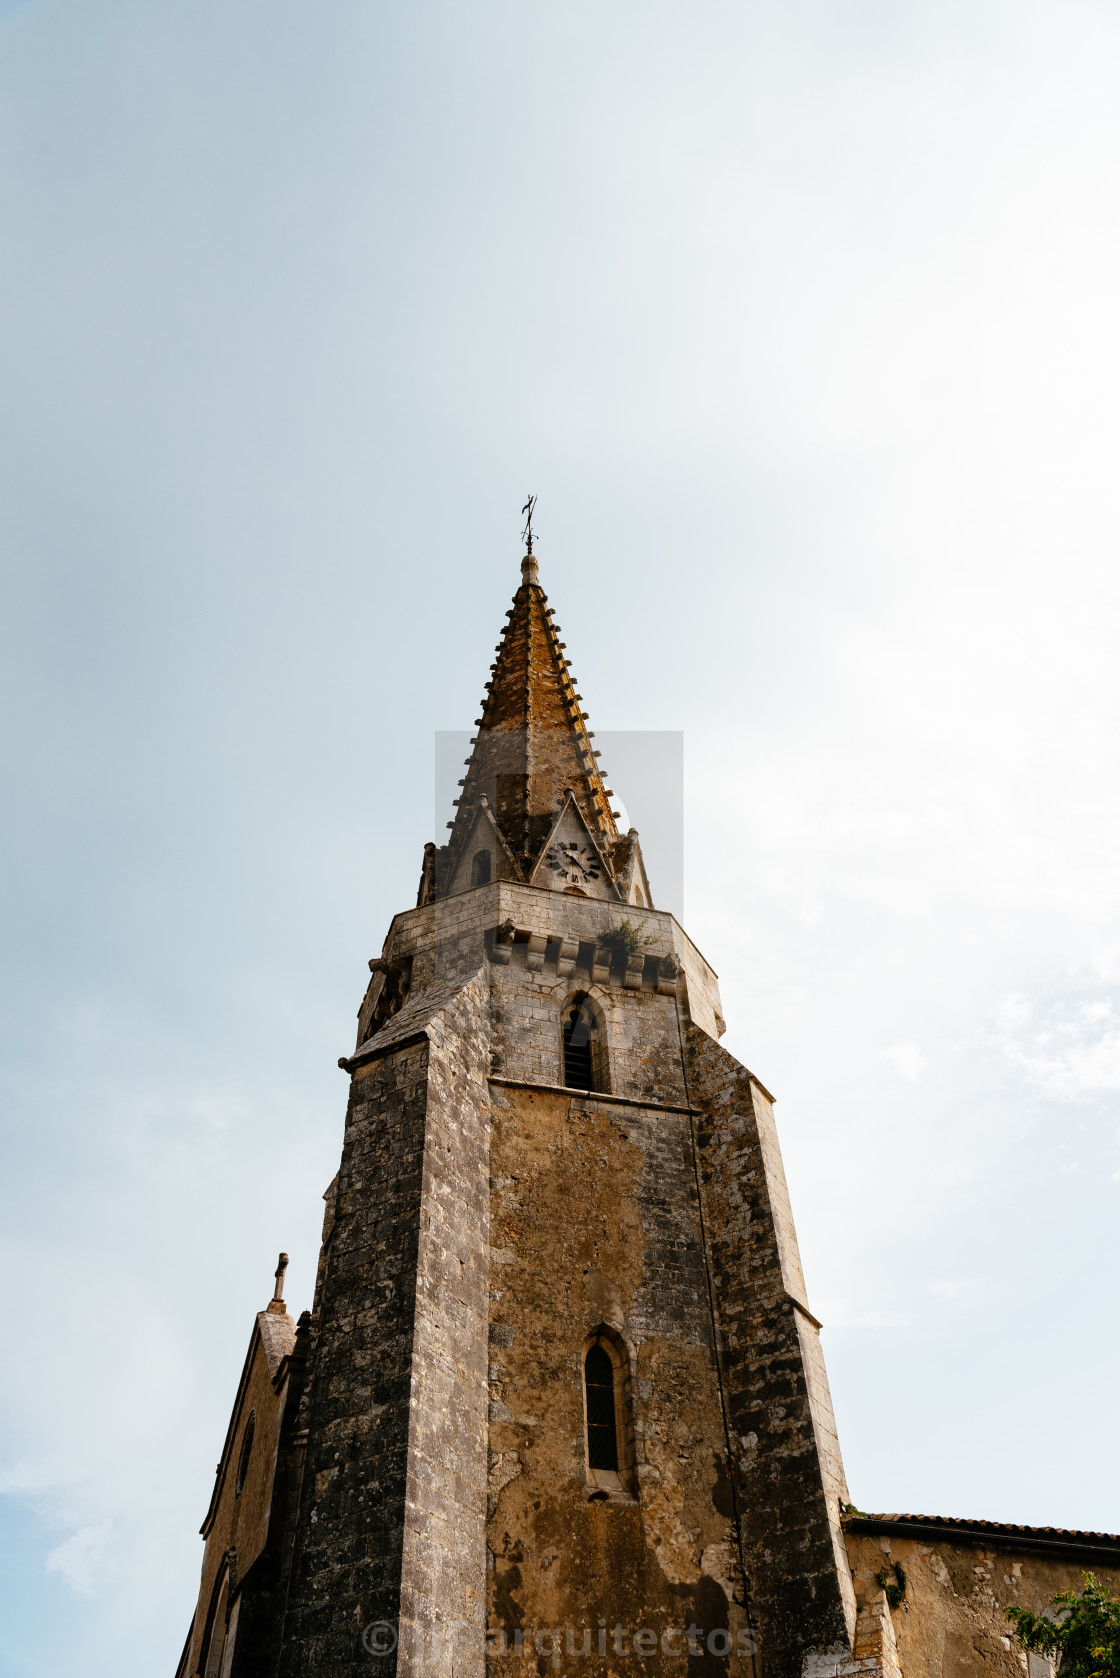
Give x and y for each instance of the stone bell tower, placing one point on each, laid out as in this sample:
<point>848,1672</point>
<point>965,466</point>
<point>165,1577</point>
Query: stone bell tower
<point>564,1404</point>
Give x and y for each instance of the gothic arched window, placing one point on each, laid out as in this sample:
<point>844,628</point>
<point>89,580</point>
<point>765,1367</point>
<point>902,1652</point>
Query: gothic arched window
<point>480,869</point>
<point>216,1633</point>
<point>606,1399</point>
<point>602,1425</point>
<point>585,1052</point>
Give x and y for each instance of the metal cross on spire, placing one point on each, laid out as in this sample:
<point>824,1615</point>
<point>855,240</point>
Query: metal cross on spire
<point>527,513</point>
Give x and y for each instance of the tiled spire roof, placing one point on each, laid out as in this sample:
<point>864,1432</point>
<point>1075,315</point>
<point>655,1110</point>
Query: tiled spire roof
<point>533,743</point>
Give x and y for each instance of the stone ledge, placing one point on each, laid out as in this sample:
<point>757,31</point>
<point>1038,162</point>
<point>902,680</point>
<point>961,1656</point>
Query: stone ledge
<point>804,1309</point>
<point>591,1095</point>
<point>377,1051</point>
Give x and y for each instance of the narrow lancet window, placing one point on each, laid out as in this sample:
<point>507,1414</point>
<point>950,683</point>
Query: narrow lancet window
<point>602,1432</point>
<point>480,869</point>
<point>579,1029</point>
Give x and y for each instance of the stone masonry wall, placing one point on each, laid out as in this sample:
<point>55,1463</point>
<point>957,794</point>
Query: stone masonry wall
<point>263,1589</point>
<point>450,938</point>
<point>594,1223</point>
<point>238,1521</point>
<point>527,1011</point>
<point>776,1386</point>
<point>950,1622</point>
<point>789,1478</point>
<point>597,1225</point>
<point>391,1524</point>
<point>347,1563</point>
<point>443,1577</point>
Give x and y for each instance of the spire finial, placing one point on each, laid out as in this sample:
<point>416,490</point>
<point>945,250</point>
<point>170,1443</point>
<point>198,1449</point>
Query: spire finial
<point>276,1303</point>
<point>529,564</point>
<point>527,534</point>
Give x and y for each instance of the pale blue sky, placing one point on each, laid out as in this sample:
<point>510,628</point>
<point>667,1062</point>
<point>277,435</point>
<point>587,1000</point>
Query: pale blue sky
<point>800,319</point>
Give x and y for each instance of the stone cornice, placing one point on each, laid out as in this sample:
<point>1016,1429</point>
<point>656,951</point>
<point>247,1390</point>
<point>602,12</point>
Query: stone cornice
<point>590,1095</point>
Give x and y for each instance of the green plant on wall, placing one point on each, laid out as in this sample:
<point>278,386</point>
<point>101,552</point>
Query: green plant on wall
<point>893,1589</point>
<point>1080,1631</point>
<point>624,940</point>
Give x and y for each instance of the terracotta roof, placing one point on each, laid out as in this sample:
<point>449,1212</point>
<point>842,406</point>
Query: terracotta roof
<point>1003,1533</point>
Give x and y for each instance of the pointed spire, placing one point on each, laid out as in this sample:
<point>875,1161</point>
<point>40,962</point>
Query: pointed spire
<point>533,744</point>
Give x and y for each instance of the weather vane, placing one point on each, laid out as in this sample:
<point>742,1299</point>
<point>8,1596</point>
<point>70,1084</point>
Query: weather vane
<point>527,533</point>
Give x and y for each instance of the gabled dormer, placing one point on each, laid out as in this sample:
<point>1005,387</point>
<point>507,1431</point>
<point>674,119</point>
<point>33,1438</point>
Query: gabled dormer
<point>572,860</point>
<point>484,855</point>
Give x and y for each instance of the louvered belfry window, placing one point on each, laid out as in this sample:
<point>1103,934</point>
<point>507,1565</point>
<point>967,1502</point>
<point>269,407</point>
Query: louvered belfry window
<point>578,1027</point>
<point>602,1436</point>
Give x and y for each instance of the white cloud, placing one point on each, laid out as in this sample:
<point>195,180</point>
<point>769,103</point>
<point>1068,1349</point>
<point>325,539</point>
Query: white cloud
<point>908,1060</point>
<point>1068,1048</point>
<point>85,1559</point>
<point>843,1316</point>
<point>956,1288</point>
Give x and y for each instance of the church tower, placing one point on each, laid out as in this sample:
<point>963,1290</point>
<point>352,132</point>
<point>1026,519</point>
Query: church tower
<point>560,1403</point>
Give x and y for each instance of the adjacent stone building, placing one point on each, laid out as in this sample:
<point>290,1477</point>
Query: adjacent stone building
<point>560,1401</point>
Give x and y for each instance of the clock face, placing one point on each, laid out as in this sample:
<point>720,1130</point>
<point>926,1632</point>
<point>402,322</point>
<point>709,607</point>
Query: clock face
<point>573,862</point>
